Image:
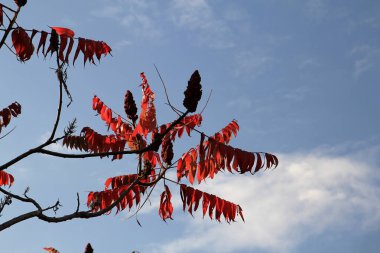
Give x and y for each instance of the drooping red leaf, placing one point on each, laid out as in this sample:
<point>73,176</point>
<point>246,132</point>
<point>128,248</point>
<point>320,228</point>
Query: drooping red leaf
<point>53,43</point>
<point>22,44</point>
<point>226,133</point>
<point>6,179</point>
<point>96,142</point>
<point>13,109</point>
<point>81,47</point>
<point>90,51</point>
<point>166,207</point>
<point>75,142</point>
<point>100,200</point>
<point>122,129</point>
<point>42,42</point>
<point>71,44</point>
<point>51,250</point>
<point>34,32</point>
<point>62,47</point>
<point>211,204</point>
<point>220,156</point>
<point>147,119</point>
<point>62,31</point>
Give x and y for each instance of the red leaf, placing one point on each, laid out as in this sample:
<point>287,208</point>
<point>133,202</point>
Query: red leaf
<point>191,197</point>
<point>147,119</point>
<point>80,48</point>
<point>166,208</point>
<point>6,179</point>
<point>51,250</point>
<point>61,31</point>
<point>71,44</point>
<point>62,47</point>
<point>22,44</point>
<point>42,42</point>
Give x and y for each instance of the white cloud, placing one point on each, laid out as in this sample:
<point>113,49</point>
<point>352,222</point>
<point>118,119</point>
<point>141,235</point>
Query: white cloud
<point>252,63</point>
<point>307,195</point>
<point>108,12</point>
<point>316,9</point>
<point>137,17</point>
<point>56,147</point>
<point>198,16</point>
<point>366,57</point>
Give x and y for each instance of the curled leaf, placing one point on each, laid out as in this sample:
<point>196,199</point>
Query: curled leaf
<point>22,44</point>
<point>61,31</point>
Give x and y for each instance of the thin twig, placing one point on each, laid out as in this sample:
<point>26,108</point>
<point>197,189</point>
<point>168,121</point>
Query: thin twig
<point>8,133</point>
<point>208,99</point>
<point>9,27</point>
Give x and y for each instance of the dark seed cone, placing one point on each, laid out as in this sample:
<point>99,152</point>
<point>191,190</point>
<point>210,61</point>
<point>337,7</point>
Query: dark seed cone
<point>193,92</point>
<point>167,151</point>
<point>130,106</point>
<point>21,2</point>
<point>88,249</point>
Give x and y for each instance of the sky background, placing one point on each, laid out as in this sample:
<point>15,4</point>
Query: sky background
<point>301,78</point>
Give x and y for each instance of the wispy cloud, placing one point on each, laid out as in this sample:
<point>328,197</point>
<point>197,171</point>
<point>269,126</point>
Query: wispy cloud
<point>56,147</point>
<point>366,57</point>
<point>252,63</point>
<point>137,17</point>
<point>306,196</point>
<point>199,16</point>
<point>316,9</point>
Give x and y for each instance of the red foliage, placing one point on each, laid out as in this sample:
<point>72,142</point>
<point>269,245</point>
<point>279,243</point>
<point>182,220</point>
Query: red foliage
<point>22,44</point>
<point>103,143</point>
<point>147,122</point>
<point>51,250</point>
<point>97,201</point>
<point>61,41</point>
<point>13,109</point>
<point>191,199</point>
<point>75,142</point>
<point>214,156</point>
<point>6,178</point>
<point>118,126</point>
<point>166,208</point>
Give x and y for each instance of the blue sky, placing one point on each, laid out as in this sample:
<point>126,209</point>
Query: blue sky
<point>301,78</point>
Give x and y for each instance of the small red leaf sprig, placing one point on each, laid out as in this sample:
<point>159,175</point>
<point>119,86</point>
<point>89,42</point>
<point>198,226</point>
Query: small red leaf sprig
<point>75,142</point>
<point>213,155</point>
<point>61,40</point>
<point>51,250</point>
<point>6,114</point>
<point>166,207</point>
<point>211,204</point>
<point>117,125</point>
<point>147,120</point>
<point>22,44</point>
<point>114,187</point>
<point>6,179</point>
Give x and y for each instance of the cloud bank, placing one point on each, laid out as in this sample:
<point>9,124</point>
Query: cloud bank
<point>308,194</point>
